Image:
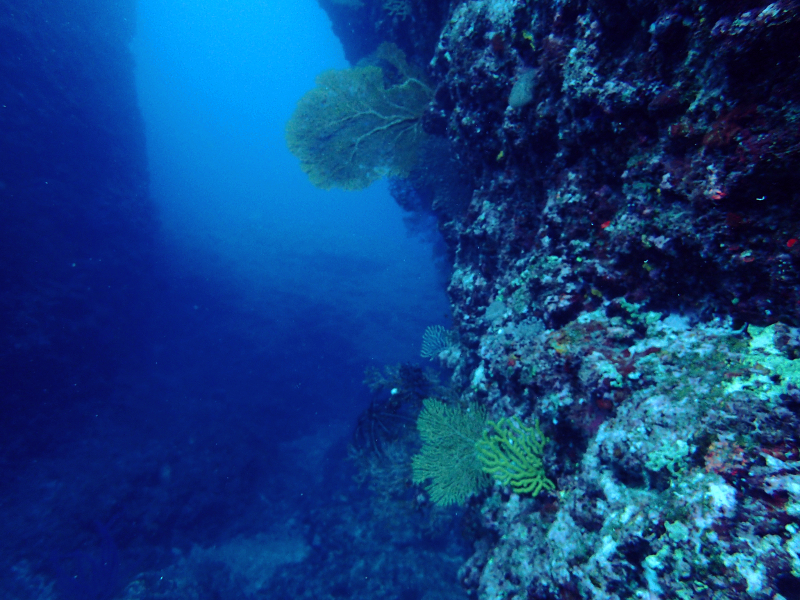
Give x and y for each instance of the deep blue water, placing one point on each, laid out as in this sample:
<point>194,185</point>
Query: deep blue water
<point>217,83</point>
<point>229,331</point>
<point>334,276</point>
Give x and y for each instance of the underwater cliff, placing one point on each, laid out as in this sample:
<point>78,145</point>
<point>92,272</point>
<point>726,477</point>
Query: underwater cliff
<point>612,412</point>
<point>77,227</point>
<point>624,239</point>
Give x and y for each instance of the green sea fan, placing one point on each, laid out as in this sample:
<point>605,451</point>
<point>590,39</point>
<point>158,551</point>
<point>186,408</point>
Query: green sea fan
<point>448,459</point>
<point>360,124</point>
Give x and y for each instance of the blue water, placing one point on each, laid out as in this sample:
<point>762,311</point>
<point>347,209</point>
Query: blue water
<point>217,83</point>
<point>202,381</point>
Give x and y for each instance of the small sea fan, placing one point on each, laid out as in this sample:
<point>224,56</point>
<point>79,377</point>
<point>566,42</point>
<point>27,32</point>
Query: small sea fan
<point>436,339</point>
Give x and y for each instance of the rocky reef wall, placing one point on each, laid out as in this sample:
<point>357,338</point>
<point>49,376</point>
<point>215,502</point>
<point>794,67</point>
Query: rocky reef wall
<point>625,270</point>
<point>76,226</point>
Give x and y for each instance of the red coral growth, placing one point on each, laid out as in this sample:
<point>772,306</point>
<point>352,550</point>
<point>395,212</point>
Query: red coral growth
<point>726,459</point>
<point>729,127</point>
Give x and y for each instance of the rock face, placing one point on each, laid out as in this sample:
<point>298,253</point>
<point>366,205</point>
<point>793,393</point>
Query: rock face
<point>75,224</point>
<point>625,270</point>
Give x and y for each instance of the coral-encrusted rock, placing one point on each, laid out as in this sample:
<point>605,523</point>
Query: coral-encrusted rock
<point>654,160</point>
<point>362,25</point>
<point>625,157</point>
<point>685,482</point>
<point>657,157</point>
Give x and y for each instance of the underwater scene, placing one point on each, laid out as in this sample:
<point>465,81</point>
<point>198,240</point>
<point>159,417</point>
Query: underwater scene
<point>400,299</point>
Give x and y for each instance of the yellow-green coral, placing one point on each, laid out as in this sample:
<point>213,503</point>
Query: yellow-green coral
<point>512,454</point>
<point>360,124</point>
<point>770,374</point>
<point>448,457</point>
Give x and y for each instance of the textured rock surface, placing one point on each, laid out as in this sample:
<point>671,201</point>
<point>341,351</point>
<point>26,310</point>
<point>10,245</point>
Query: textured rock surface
<point>76,227</point>
<point>632,225</point>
